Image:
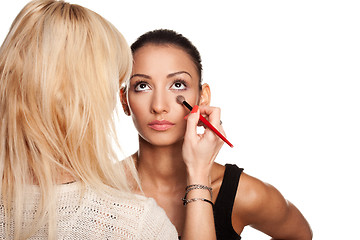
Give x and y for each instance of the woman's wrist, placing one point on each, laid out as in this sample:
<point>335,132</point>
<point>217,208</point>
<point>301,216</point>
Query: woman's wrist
<point>197,192</point>
<point>199,177</point>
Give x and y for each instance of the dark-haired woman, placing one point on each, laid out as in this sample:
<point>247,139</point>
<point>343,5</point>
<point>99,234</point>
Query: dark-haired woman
<point>166,64</point>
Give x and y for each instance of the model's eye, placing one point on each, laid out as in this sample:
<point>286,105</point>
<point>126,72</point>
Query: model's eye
<point>141,86</point>
<point>179,85</point>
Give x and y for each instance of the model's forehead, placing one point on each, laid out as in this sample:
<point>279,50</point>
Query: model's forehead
<point>165,51</point>
<point>162,58</point>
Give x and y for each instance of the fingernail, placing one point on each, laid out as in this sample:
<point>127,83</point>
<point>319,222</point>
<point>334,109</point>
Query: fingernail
<point>195,109</point>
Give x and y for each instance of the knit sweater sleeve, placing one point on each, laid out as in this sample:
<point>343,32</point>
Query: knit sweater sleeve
<point>155,224</point>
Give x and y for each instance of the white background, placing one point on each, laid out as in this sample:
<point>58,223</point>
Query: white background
<point>286,75</point>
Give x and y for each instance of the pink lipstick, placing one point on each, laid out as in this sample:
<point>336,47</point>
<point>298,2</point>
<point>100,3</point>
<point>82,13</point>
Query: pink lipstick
<point>160,125</point>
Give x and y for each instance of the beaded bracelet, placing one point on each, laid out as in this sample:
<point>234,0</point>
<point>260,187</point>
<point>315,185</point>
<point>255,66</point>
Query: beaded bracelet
<point>187,201</point>
<point>197,186</point>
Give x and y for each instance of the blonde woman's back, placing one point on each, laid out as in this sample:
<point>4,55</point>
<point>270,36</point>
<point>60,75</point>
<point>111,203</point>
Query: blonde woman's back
<point>86,214</point>
<point>60,70</point>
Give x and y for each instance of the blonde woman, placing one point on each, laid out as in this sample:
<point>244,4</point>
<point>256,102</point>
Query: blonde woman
<point>60,67</point>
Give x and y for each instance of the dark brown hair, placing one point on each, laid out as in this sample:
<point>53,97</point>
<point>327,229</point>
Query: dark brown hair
<point>170,37</point>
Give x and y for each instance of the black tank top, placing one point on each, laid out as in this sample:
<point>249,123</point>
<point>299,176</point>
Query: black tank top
<point>224,203</point>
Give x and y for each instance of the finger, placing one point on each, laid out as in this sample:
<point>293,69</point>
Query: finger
<point>221,130</point>
<point>212,114</point>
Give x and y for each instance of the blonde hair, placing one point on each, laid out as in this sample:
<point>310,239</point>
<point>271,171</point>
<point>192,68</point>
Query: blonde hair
<point>60,69</point>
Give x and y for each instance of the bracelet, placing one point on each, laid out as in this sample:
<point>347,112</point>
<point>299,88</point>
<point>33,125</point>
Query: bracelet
<point>197,186</point>
<point>187,201</point>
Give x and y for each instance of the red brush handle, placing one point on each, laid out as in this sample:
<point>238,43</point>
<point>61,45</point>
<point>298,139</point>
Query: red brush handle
<point>208,124</point>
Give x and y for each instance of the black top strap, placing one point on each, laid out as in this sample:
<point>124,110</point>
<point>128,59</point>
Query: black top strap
<point>224,203</point>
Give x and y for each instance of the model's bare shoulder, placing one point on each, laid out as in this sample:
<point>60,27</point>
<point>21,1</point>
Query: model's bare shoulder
<point>263,207</point>
<point>254,198</point>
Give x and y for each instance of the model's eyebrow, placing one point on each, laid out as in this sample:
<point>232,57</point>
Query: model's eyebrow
<point>178,73</point>
<point>168,76</point>
<point>140,75</point>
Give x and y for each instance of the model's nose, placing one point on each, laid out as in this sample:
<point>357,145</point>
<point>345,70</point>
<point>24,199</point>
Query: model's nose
<point>160,103</point>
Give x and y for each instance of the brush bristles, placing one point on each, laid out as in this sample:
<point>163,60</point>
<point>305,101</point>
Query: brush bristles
<point>180,99</point>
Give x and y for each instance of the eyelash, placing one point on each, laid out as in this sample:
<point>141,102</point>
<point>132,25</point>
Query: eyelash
<point>183,82</point>
<point>137,83</point>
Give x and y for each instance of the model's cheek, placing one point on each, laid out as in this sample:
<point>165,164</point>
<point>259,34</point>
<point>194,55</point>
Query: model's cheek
<point>192,98</point>
<point>138,111</point>
<point>138,103</point>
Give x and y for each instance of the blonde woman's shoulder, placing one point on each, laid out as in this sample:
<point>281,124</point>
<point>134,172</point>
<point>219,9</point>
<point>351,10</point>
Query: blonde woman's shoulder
<point>141,216</point>
<point>155,223</point>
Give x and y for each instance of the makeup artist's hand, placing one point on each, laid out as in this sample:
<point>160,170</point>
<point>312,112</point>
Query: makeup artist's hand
<point>200,150</point>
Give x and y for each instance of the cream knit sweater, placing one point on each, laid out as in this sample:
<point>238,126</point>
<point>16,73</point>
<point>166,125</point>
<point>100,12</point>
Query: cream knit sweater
<point>88,215</point>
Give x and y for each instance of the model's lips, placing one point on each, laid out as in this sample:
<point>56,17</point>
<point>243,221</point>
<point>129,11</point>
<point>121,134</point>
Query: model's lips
<point>161,125</point>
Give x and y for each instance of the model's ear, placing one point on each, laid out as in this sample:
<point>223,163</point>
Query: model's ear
<point>205,95</point>
<point>124,103</point>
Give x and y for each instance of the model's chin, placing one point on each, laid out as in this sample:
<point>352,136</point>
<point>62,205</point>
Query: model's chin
<point>163,140</point>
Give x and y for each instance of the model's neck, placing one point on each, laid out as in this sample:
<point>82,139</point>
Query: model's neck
<point>160,166</point>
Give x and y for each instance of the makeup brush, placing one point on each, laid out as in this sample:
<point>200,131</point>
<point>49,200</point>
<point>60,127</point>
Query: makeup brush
<point>181,100</point>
